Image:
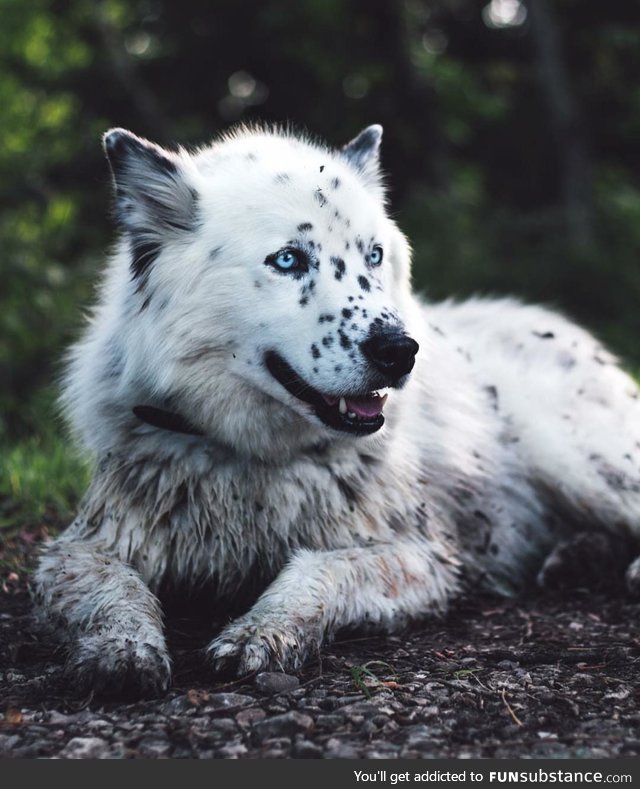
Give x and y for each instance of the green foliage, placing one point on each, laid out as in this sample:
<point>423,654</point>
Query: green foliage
<point>364,676</point>
<point>41,478</point>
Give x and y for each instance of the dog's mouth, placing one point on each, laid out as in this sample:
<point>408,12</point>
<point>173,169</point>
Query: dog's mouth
<point>359,414</point>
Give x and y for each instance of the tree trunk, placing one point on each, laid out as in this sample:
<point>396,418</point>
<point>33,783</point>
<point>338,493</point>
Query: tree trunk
<point>567,124</point>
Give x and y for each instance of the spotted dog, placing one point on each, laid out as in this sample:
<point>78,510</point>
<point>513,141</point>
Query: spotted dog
<point>278,421</point>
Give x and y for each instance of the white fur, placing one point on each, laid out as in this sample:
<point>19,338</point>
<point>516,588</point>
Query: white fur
<point>514,429</point>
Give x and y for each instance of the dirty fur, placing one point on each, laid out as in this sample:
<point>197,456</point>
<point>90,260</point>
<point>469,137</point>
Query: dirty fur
<point>514,434</point>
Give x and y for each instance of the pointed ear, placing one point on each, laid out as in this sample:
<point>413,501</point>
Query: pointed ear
<point>153,198</point>
<point>363,152</point>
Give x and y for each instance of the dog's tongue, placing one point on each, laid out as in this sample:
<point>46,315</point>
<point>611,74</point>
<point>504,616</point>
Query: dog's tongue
<point>367,406</point>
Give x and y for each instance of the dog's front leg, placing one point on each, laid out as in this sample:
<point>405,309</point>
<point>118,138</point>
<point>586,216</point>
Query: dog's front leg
<point>319,592</point>
<point>106,617</point>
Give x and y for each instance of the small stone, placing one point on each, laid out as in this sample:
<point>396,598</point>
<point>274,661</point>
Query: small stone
<point>285,725</point>
<point>329,721</point>
<point>272,682</point>
<point>336,749</point>
<point>304,749</point>
<point>150,747</point>
<point>223,725</point>
<point>246,718</point>
<point>220,701</point>
<point>7,743</point>
<point>233,751</point>
<point>416,735</point>
<point>85,748</point>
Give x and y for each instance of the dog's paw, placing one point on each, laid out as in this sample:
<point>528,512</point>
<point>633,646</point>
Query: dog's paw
<point>595,560</point>
<point>632,578</point>
<point>118,665</point>
<point>252,644</point>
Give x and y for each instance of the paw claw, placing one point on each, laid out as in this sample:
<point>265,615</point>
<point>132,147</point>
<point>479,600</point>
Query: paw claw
<point>247,646</point>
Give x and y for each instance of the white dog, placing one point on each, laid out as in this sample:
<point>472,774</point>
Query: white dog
<point>248,390</point>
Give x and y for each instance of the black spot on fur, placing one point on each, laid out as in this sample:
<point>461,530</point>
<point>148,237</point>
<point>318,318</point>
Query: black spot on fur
<point>321,167</point>
<point>618,480</point>
<point>282,178</point>
<point>257,284</point>
<point>347,245</point>
<point>482,517</point>
<point>320,198</point>
<point>143,255</point>
<point>349,298</point>
<point>305,227</point>
<point>304,301</point>
<point>337,368</point>
<point>335,183</point>
<point>360,245</point>
<point>492,391</point>
<point>347,313</point>
<point>214,253</point>
<point>339,266</point>
<point>326,318</point>
<point>315,370</point>
<point>315,351</point>
<point>145,303</point>
<point>566,360</point>
<point>345,342</point>
<point>364,283</point>
<point>544,335</point>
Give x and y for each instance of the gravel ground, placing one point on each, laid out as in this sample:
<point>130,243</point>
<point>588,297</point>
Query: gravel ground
<point>544,677</point>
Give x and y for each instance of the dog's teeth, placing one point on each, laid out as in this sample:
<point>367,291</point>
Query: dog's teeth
<point>351,415</point>
<point>343,406</point>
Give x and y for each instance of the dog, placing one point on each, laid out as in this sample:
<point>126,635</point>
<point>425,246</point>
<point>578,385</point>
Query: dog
<point>276,417</point>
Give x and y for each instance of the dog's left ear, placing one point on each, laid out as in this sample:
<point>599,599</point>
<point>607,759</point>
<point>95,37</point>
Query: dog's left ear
<point>153,198</point>
<point>363,152</point>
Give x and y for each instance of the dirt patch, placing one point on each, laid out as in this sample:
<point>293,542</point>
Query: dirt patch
<point>543,677</point>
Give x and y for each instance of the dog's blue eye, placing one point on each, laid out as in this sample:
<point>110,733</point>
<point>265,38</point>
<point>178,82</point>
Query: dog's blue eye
<point>288,260</point>
<point>375,258</point>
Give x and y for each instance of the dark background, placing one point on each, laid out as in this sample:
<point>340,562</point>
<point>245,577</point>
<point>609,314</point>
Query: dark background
<point>511,143</point>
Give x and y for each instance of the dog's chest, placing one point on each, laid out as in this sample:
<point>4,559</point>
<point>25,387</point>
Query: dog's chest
<point>244,522</point>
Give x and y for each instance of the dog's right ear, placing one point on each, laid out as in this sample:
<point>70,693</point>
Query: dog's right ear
<point>152,195</point>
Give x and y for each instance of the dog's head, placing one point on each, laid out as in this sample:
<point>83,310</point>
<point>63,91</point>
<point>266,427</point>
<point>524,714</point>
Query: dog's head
<point>267,291</point>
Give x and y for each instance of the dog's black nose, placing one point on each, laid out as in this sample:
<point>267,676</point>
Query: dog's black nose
<point>392,353</point>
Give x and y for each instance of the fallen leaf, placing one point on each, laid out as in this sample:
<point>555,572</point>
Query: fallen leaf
<point>12,715</point>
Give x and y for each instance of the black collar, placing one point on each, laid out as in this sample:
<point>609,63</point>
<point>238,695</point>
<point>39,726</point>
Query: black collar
<point>165,420</point>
